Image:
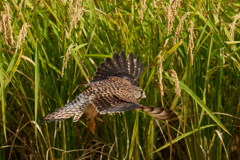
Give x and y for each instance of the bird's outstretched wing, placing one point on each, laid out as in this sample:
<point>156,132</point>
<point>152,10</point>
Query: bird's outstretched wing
<point>110,102</point>
<point>75,108</point>
<point>120,66</point>
<point>158,113</point>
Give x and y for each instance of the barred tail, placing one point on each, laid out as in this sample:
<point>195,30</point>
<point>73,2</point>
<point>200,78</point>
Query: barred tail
<point>76,107</point>
<point>159,113</point>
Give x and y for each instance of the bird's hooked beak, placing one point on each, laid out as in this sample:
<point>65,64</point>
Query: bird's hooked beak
<point>143,95</point>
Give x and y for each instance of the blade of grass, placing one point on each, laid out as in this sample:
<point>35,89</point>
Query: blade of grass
<point>2,93</point>
<point>36,86</point>
<point>12,67</point>
<point>183,136</point>
<point>198,100</point>
<point>134,135</point>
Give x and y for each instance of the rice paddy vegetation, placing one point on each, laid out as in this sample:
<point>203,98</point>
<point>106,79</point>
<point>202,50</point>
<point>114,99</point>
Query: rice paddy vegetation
<point>190,50</point>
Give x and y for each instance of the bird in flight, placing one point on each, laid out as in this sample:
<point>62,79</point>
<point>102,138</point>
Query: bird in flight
<point>114,88</point>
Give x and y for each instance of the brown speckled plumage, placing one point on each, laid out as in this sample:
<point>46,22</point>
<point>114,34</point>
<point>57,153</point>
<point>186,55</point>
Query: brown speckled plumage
<point>114,88</point>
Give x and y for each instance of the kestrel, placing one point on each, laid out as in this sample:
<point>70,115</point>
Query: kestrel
<point>114,88</point>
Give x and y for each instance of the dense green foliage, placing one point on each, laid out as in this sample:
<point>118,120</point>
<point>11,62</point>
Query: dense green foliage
<point>66,40</point>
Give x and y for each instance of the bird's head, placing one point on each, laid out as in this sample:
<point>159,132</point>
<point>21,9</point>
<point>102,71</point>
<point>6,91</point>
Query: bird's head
<point>139,93</point>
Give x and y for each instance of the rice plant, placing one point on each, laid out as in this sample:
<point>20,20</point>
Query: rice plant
<point>190,50</point>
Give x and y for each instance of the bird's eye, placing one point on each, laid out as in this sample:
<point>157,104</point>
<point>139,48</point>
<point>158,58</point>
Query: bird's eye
<point>141,92</point>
